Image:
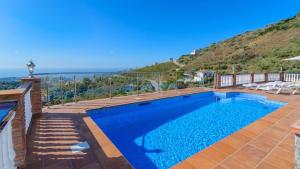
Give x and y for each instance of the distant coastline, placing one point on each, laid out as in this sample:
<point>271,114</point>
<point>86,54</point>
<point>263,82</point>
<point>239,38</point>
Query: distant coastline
<point>18,72</point>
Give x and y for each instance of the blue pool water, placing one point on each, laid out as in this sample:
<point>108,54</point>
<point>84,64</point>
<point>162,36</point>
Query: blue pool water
<point>161,133</point>
<point>4,109</point>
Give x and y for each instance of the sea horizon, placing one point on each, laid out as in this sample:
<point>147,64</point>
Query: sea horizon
<point>23,72</point>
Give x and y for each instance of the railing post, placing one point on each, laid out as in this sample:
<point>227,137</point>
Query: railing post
<point>137,83</point>
<point>252,77</point>
<point>281,76</point>
<point>61,90</point>
<point>217,80</point>
<point>75,89</point>
<point>158,82</point>
<point>266,76</point>
<point>234,80</point>
<point>95,87</point>
<point>176,80</point>
<point>47,90</point>
<point>110,88</point>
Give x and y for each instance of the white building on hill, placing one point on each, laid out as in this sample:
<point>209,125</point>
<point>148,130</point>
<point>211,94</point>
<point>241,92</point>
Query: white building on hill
<point>193,52</point>
<point>200,75</point>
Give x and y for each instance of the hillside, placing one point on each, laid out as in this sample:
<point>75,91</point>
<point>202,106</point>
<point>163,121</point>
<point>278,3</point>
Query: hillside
<point>252,51</point>
<point>159,67</point>
<point>167,70</point>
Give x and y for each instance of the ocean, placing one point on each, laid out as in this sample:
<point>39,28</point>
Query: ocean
<point>17,73</point>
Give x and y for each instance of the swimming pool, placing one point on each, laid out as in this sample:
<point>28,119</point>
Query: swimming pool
<point>159,134</point>
<point>5,109</point>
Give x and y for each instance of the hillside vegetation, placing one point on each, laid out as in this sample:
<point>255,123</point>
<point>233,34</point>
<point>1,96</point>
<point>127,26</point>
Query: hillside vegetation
<point>159,67</point>
<point>167,70</point>
<point>252,51</point>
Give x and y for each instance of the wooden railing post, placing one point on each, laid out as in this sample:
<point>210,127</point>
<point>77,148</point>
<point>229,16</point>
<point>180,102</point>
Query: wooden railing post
<point>217,80</point>
<point>234,80</point>
<point>252,77</point>
<point>281,76</point>
<point>266,77</point>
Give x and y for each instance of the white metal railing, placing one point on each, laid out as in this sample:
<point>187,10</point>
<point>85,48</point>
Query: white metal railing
<point>273,76</point>
<point>292,77</point>
<point>28,111</point>
<point>243,79</point>
<point>7,152</point>
<point>259,77</point>
<point>226,80</point>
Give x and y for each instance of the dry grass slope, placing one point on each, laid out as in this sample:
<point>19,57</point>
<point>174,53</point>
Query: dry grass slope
<point>259,50</point>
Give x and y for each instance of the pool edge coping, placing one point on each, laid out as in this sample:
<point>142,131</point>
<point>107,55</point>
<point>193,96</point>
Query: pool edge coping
<point>105,144</point>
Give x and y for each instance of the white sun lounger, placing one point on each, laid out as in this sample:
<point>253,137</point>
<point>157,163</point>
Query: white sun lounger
<point>269,85</point>
<point>292,88</point>
<point>250,85</point>
<point>270,88</point>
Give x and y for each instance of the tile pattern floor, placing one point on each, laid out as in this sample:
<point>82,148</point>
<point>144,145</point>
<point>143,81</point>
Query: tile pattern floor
<point>61,126</point>
<point>50,139</point>
<point>266,143</point>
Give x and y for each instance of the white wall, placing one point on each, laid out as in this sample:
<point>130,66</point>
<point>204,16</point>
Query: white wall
<point>28,112</point>
<point>7,153</point>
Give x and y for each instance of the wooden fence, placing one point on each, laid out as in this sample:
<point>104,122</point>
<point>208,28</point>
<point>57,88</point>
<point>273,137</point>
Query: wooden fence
<point>233,80</point>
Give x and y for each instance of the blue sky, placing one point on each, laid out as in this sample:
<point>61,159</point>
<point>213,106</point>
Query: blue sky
<point>123,33</point>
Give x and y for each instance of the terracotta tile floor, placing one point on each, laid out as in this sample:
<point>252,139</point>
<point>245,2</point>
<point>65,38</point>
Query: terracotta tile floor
<point>266,143</point>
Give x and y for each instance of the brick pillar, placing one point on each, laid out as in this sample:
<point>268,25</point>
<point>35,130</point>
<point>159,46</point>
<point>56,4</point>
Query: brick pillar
<point>266,77</point>
<point>234,80</point>
<point>18,123</point>
<point>281,76</point>
<point>252,77</point>
<point>19,136</point>
<point>35,94</point>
